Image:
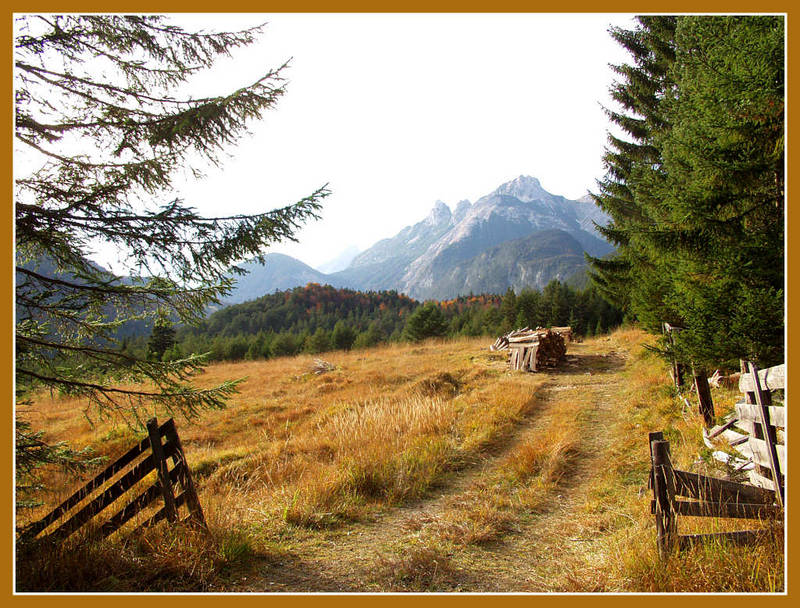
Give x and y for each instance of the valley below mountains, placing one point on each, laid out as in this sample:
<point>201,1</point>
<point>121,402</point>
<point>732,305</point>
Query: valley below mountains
<point>517,236</point>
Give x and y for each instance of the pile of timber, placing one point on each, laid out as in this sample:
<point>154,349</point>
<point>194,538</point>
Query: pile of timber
<point>503,341</point>
<point>531,349</point>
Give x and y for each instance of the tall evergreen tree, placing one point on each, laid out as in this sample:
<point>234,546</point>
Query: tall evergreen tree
<point>723,162</point>
<point>100,134</point>
<point>696,192</point>
<point>508,308</point>
<point>632,279</point>
<point>343,336</point>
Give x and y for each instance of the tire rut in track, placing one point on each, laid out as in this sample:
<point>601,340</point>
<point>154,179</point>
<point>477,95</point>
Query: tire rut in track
<point>556,550</point>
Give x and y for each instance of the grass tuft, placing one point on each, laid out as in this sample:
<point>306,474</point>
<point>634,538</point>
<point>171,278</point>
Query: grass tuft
<point>419,568</point>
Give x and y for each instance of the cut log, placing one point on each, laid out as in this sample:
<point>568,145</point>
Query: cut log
<point>566,332</point>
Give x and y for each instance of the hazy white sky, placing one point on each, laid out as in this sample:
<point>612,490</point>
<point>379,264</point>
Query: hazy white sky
<point>395,111</point>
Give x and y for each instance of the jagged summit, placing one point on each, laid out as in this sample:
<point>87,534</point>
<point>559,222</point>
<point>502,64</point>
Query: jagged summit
<point>439,214</point>
<point>524,188</point>
<point>461,210</point>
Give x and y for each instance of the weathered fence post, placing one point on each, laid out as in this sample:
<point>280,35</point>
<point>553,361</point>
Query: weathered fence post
<point>704,397</point>
<point>160,463</point>
<point>750,398</point>
<point>656,436</point>
<point>185,478</point>
<point>664,493</point>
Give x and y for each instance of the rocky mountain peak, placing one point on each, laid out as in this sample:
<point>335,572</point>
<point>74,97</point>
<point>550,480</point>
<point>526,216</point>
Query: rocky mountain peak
<point>439,214</point>
<point>461,210</point>
<point>524,188</point>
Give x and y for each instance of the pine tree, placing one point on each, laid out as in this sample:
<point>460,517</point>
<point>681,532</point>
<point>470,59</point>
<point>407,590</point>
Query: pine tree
<point>632,279</point>
<point>509,309</point>
<point>318,342</point>
<point>696,192</point>
<point>100,135</point>
<point>723,161</point>
<point>343,336</point>
<point>162,338</point>
<point>427,321</point>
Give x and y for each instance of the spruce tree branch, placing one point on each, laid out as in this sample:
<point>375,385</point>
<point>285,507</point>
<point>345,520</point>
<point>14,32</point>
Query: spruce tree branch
<point>61,381</point>
<point>138,94</point>
<point>88,165</point>
<point>39,73</point>
<point>76,349</point>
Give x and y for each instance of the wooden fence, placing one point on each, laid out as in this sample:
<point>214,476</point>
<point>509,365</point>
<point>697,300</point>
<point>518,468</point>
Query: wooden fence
<point>97,495</point>
<point>756,429</point>
<point>709,497</point>
<point>699,376</point>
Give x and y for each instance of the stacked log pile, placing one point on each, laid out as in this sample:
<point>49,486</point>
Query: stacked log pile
<point>532,349</point>
<point>565,332</point>
<point>502,342</point>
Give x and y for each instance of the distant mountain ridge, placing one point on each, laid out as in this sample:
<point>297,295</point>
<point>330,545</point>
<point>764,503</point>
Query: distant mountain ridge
<point>517,236</point>
<point>515,210</point>
<point>278,273</point>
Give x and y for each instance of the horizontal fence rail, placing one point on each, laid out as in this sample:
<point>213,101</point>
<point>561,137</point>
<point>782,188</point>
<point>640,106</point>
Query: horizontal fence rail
<point>708,497</point>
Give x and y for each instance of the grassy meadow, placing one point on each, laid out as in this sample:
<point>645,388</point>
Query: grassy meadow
<point>417,467</point>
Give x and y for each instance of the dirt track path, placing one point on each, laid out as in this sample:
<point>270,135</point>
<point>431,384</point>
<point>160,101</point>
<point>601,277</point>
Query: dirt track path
<point>554,549</point>
<point>558,550</point>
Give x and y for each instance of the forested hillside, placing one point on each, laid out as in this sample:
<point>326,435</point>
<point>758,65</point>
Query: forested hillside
<point>318,318</point>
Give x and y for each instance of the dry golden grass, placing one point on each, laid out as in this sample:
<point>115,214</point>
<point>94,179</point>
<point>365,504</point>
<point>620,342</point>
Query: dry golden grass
<point>296,448</point>
<point>448,470</point>
<point>420,567</point>
<point>573,490</point>
<point>648,402</point>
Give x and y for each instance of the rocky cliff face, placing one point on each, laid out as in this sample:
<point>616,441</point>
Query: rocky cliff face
<point>515,210</point>
<point>382,265</point>
<point>528,262</point>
